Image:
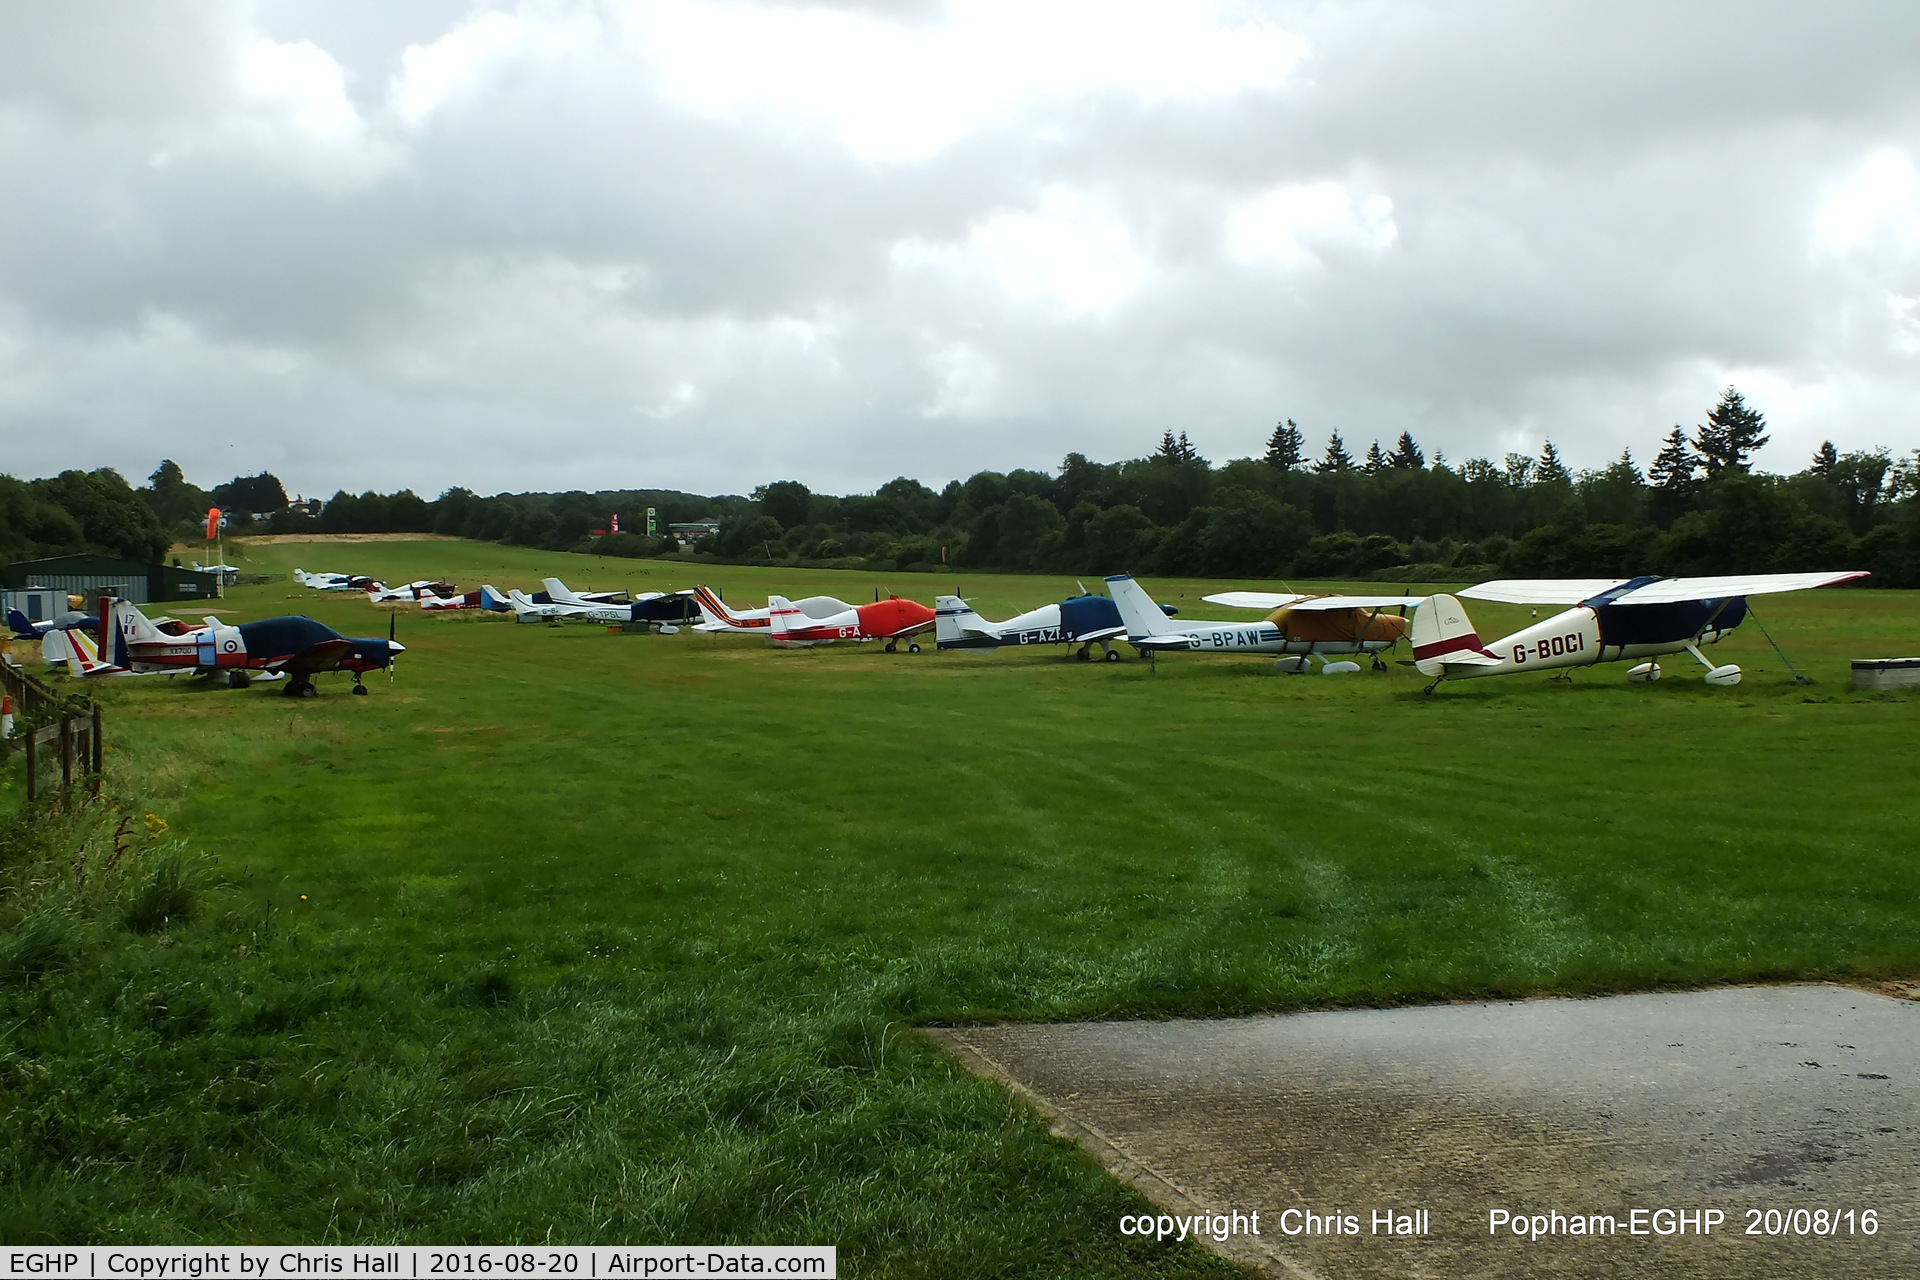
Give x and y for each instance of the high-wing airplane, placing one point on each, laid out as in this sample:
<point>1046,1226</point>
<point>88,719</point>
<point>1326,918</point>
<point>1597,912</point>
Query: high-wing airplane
<point>1612,619</point>
<point>892,620</point>
<point>1299,627</point>
<point>485,598</point>
<point>296,647</point>
<point>1083,620</point>
<point>718,616</point>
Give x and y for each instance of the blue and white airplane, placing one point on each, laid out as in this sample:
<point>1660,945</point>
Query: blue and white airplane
<point>1612,619</point>
<point>1084,620</point>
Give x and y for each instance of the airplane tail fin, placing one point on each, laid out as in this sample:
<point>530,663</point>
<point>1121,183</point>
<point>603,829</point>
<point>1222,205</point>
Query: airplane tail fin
<point>1443,633</point>
<point>715,608</point>
<point>84,656</point>
<point>557,591</point>
<point>300,576</point>
<point>493,602</point>
<point>1143,617</point>
<point>780,612</point>
<point>22,627</point>
<point>954,619</point>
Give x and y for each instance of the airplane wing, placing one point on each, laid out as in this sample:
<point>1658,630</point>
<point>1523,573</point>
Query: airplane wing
<point>1321,603</point>
<point>1176,641</point>
<point>1737,584</point>
<point>1252,599</point>
<point>324,656</point>
<point>1540,590</point>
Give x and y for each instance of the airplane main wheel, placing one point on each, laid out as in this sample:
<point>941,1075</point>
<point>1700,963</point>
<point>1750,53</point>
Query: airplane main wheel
<point>237,680</point>
<point>1113,655</point>
<point>360,690</point>
<point>913,648</point>
<point>1082,654</point>
<point>892,647</point>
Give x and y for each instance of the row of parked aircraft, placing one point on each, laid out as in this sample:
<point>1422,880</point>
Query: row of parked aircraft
<point>1639,619</point>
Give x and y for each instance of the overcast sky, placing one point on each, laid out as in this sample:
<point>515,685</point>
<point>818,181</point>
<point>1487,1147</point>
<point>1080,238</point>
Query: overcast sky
<point>705,245</point>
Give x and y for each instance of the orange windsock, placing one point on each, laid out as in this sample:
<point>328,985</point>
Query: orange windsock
<point>213,523</point>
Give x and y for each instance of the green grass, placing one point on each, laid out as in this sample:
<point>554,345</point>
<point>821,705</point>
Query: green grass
<point>594,937</point>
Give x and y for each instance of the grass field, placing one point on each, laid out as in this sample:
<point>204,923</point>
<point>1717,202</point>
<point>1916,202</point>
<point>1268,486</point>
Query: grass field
<point>582,936</point>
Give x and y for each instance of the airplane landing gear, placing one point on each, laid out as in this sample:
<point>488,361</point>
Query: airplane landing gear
<point>1378,664</point>
<point>237,680</point>
<point>892,646</point>
<point>1084,653</point>
<point>913,646</point>
<point>300,687</point>
<point>359,689</point>
<point>1113,654</point>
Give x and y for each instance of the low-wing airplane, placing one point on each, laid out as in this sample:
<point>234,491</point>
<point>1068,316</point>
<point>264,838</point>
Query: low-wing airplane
<point>1084,620</point>
<point>556,601</point>
<point>1300,627</point>
<point>1612,619</point>
<point>26,629</point>
<point>485,598</point>
<point>379,593</point>
<point>892,620</point>
<point>718,616</point>
<point>334,581</point>
<point>294,646</point>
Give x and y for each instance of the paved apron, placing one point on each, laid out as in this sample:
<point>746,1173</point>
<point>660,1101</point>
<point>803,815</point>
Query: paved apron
<point>1760,1098</point>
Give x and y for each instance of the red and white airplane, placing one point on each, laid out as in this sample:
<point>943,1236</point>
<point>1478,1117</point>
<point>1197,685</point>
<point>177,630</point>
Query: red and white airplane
<point>718,616</point>
<point>892,620</point>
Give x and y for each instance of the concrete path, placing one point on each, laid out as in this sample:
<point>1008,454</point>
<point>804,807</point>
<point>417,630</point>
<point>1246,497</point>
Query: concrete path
<point>1657,1111</point>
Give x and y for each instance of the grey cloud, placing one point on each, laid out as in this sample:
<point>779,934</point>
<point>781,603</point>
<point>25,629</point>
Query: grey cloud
<point>565,280</point>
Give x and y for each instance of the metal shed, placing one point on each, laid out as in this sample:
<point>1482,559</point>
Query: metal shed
<point>140,583</point>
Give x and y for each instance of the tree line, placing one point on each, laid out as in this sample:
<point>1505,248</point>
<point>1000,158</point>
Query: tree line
<point>1297,511</point>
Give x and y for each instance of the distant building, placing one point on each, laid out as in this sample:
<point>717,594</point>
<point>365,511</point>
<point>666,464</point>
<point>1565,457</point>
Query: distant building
<point>693,532</point>
<point>129,579</point>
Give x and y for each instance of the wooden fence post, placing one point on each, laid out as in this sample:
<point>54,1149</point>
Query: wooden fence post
<point>33,767</point>
<point>99,750</point>
<point>66,760</point>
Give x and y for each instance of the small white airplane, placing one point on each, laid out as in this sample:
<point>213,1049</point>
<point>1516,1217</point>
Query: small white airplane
<point>485,598</point>
<point>1300,627</point>
<point>717,616</point>
<point>1083,620</point>
<point>593,606</point>
<point>1612,619</point>
<point>378,593</point>
<point>333,581</point>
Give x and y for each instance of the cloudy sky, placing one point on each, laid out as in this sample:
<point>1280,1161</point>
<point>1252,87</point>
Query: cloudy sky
<point>701,245</point>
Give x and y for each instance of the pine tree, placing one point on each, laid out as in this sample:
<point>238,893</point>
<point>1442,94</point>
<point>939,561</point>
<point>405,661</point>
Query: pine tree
<point>1286,447</point>
<point>1376,460</point>
<point>1626,468</point>
<point>1337,458</point>
<point>1825,459</point>
<point>1675,466</point>
<point>1732,432</point>
<point>1550,469</point>
<point>1169,450</point>
<point>1406,454</point>
<point>1186,451</point>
